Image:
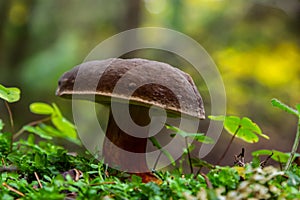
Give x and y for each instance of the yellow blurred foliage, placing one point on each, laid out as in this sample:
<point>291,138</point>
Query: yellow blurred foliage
<point>271,67</point>
<point>18,13</point>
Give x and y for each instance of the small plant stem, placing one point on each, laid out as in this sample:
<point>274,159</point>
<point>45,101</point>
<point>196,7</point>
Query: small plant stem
<point>17,134</point>
<point>11,123</point>
<point>198,171</point>
<point>228,146</point>
<point>280,163</point>
<point>13,189</point>
<point>10,116</point>
<point>38,180</point>
<point>207,181</point>
<point>294,148</point>
<point>104,183</point>
<point>189,155</point>
<point>263,163</point>
<point>156,161</point>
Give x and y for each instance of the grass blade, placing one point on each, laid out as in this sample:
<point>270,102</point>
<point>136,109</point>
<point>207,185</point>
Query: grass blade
<point>282,106</point>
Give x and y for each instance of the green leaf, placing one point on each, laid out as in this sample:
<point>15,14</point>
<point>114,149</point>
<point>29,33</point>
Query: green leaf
<point>41,108</point>
<point>277,155</point>
<point>255,161</point>
<point>243,128</point>
<point>136,179</point>
<point>282,106</point>
<point>217,118</point>
<point>48,132</point>
<point>196,162</point>
<point>66,127</point>
<point>200,137</point>
<point>62,124</point>
<point>176,130</point>
<point>293,180</point>
<point>51,130</point>
<point>232,124</point>
<point>298,108</point>
<point>247,124</point>
<point>9,94</point>
<point>63,128</point>
<point>57,111</point>
<point>190,148</point>
<point>31,139</point>
<point>1,124</point>
<point>38,131</point>
<point>33,146</point>
<point>38,160</point>
<point>165,152</point>
<point>247,136</point>
<point>155,142</point>
<point>224,176</point>
<point>5,140</point>
<point>68,133</point>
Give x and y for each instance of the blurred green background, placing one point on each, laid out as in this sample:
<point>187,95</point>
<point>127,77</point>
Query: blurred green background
<point>255,45</point>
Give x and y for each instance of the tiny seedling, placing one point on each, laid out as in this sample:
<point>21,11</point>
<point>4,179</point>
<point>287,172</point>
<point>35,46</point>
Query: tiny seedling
<point>296,112</point>
<point>200,137</point>
<point>60,128</point>
<point>10,95</point>
<point>242,128</point>
<point>162,151</point>
<point>278,156</point>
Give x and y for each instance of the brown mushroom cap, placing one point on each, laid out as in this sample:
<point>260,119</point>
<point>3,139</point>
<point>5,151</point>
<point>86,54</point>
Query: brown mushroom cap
<point>143,82</point>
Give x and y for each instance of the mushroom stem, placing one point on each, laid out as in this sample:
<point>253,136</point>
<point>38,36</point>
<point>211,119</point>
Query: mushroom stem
<point>118,143</point>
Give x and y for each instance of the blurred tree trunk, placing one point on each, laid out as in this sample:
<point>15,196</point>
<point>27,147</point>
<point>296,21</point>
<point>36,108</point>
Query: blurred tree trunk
<point>132,17</point>
<point>14,36</point>
<point>14,46</point>
<point>4,5</point>
<point>131,20</point>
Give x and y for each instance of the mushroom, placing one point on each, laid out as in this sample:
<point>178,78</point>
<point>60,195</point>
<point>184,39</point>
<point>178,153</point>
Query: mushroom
<point>140,86</point>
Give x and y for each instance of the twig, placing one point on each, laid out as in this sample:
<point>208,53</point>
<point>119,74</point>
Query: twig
<point>207,181</point>
<point>10,116</point>
<point>242,155</point>
<point>17,134</point>
<point>8,169</point>
<point>239,160</point>
<point>263,163</point>
<point>13,189</point>
<point>38,179</point>
<point>228,146</point>
<point>199,170</point>
<point>11,123</point>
